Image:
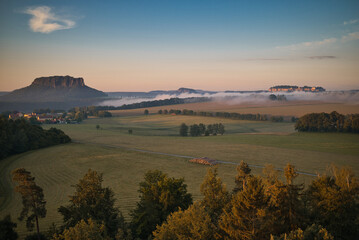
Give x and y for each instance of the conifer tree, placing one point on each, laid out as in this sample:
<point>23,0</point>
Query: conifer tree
<point>333,202</point>
<point>286,210</point>
<point>91,200</point>
<point>243,172</point>
<point>291,206</point>
<point>32,199</point>
<point>215,194</point>
<point>191,224</point>
<point>247,216</point>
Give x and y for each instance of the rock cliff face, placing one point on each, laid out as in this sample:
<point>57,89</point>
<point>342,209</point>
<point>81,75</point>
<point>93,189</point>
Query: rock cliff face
<point>54,89</point>
<point>59,82</point>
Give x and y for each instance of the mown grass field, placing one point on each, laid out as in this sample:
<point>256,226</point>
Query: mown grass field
<point>110,150</point>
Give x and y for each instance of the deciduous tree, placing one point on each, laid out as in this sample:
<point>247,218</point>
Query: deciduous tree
<point>84,230</point>
<point>160,196</point>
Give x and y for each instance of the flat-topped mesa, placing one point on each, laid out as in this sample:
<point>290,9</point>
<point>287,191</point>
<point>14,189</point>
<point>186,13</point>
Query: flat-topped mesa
<point>59,82</point>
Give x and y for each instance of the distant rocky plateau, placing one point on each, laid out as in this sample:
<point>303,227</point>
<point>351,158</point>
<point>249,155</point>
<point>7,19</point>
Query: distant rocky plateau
<point>54,91</point>
<point>55,88</point>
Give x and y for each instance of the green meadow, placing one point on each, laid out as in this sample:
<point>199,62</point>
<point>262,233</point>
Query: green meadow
<point>123,160</point>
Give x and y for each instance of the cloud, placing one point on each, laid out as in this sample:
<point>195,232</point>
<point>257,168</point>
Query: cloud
<point>264,59</point>
<point>351,22</point>
<point>322,57</point>
<point>351,36</point>
<point>45,21</point>
<point>312,44</point>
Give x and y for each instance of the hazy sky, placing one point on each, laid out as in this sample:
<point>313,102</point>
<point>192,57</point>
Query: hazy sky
<point>129,45</point>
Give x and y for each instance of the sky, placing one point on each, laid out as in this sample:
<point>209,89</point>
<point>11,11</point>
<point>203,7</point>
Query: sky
<point>132,45</point>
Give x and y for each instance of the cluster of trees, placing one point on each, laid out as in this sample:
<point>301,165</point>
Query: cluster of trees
<point>155,103</point>
<point>80,113</point>
<point>91,212</point>
<point>201,129</point>
<point>238,116</point>
<point>17,136</point>
<point>259,207</point>
<point>328,122</point>
<point>277,97</point>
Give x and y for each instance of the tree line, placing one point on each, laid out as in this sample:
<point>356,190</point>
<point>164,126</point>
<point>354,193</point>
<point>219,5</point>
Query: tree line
<point>155,103</point>
<point>230,115</point>
<point>328,122</point>
<point>201,129</point>
<point>19,136</point>
<point>258,207</point>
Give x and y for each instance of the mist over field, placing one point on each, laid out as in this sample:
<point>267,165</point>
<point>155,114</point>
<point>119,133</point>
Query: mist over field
<point>349,97</point>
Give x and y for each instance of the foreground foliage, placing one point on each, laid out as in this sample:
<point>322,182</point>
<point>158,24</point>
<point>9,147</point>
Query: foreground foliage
<point>259,207</point>
<point>7,229</point>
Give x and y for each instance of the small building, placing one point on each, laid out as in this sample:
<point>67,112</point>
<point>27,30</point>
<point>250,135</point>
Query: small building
<point>43,118</point>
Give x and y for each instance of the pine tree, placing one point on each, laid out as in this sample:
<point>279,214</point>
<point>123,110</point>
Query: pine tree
<point>32,199</point>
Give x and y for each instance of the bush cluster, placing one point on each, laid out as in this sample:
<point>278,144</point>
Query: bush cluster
<point>201,129</point>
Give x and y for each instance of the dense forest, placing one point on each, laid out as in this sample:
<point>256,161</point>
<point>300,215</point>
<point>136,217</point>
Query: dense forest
<point>328,122</point>
<point>258,207</point>
<point>20,136</point>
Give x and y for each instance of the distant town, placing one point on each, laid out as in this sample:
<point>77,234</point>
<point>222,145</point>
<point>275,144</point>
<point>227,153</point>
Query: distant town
<point>288,88</point>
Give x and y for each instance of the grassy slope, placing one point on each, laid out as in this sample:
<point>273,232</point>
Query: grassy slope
<point>58,167</point>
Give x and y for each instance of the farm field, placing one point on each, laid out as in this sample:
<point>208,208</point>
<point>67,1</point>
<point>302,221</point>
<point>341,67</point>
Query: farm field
<point>117,154</point>
<point>288,108</point>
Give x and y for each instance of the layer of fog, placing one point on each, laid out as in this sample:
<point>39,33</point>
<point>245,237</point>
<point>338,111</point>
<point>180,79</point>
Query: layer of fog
<point>351,97</point>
